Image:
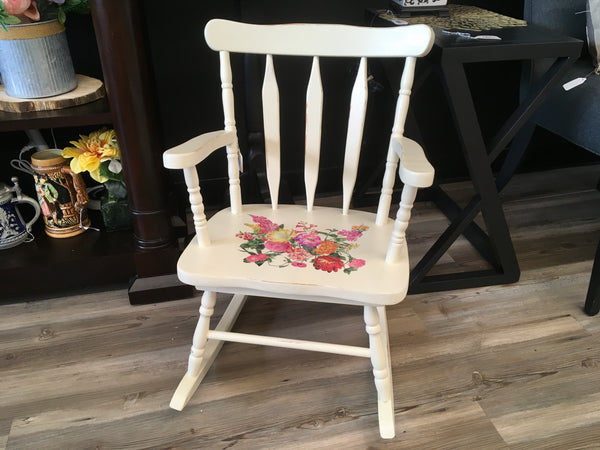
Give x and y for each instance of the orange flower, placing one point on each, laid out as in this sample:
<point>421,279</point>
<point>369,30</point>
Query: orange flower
<point>326,248</point>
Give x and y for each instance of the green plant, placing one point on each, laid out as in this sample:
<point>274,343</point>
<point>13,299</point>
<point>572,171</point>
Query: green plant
<point>26,11</point>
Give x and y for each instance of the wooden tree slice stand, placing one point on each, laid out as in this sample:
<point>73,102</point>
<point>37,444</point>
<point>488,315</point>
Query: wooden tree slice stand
<point>87,90</point>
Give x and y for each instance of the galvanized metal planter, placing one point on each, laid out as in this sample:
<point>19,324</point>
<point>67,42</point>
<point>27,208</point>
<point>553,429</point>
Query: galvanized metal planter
<point>35,60</point>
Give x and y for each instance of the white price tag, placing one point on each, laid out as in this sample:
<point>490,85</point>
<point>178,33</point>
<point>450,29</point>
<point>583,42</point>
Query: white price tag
<point>573,83</point>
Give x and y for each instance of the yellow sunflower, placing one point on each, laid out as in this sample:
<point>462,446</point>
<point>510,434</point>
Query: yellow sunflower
<point>90,151</point>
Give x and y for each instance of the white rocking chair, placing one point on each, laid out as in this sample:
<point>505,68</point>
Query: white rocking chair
<point>318,254</point>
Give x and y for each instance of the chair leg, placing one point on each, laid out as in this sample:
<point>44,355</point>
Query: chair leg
<point>592,301</point>
<point>376,326</point>
<point>204,352</point>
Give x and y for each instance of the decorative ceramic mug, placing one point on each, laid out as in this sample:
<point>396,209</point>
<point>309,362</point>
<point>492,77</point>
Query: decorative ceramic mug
<point>13,230</point>
<point>61,194</point>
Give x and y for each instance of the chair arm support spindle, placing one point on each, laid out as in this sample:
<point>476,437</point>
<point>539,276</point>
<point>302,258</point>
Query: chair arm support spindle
<point>398,238</point>
<point>415,172</point>
<point>186,156</point>
<point>197,206</point>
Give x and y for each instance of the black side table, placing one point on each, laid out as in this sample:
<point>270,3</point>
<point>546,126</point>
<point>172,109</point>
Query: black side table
<point>451,53</point>
<point>592,300</point>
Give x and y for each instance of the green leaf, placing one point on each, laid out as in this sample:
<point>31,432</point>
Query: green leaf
<point>116,188</point>
<point>62,17</point>
<point>106,173</point>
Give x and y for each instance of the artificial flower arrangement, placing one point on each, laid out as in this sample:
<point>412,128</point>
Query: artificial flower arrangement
<point>303,246</point>
<point>13,12</point>
<point>99,155</point>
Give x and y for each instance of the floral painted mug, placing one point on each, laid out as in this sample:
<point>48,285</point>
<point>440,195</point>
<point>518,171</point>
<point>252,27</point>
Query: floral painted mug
<point>61,194</point>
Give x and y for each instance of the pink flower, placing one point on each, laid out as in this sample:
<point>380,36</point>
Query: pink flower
<point>256,258</point>
<point>276,246</point>
<point>25,8</point>
<point>265,225</point>
<point>350,235</point>
<point>356,263</point>
<point>308,239</point>
<point>298,264</point>
<point>298,254</point>
<point>245,236</point>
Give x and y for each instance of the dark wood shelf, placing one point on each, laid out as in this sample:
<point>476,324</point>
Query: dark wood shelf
<point>97,112</point>
<point>47,264</point>
<point>96,258</point>
<point>50,264</point>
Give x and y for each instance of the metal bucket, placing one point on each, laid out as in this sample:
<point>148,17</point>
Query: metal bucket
<point>35,60</point>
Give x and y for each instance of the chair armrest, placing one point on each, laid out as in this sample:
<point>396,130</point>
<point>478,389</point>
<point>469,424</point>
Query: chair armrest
<point>197,149</point>
<point>415,169</point>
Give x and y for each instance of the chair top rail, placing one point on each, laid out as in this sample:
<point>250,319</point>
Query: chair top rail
<point>319,39</point>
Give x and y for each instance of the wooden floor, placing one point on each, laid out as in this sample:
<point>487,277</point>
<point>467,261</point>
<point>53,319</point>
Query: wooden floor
<point>514,366</point>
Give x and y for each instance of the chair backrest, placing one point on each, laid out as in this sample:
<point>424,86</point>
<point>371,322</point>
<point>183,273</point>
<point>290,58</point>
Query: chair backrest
<point>316,41</point>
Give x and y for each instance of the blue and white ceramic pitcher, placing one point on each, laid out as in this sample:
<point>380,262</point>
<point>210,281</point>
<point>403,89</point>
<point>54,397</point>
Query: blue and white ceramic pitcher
<point>13,230</point>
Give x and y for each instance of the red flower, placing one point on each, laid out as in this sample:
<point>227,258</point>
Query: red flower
<point>256,258</point>
<point>328,263</point>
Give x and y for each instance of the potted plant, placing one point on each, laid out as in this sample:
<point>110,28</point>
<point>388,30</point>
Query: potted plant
<point>35,60</point>
<point>99,154</point>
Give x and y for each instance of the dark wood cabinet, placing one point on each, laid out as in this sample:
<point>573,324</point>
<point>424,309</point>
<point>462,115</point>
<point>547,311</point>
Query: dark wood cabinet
<point>146,256</point>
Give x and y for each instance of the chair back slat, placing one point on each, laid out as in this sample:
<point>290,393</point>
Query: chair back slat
<point>270,100</point>
<point>356,122</point>
<point>314,115</point>
<point>233,151</point>
<point>391,165</point>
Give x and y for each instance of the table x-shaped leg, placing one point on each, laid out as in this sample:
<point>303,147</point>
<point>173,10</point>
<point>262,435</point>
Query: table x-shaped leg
<point>495,245</point>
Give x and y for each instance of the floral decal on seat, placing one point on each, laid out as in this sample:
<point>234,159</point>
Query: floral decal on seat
<point>303,246</point>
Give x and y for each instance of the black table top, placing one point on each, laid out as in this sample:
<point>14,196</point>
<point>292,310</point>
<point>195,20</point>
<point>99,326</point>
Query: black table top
<point>517,43</point>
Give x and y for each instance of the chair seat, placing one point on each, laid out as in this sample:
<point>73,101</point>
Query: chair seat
<point>318,255</point>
